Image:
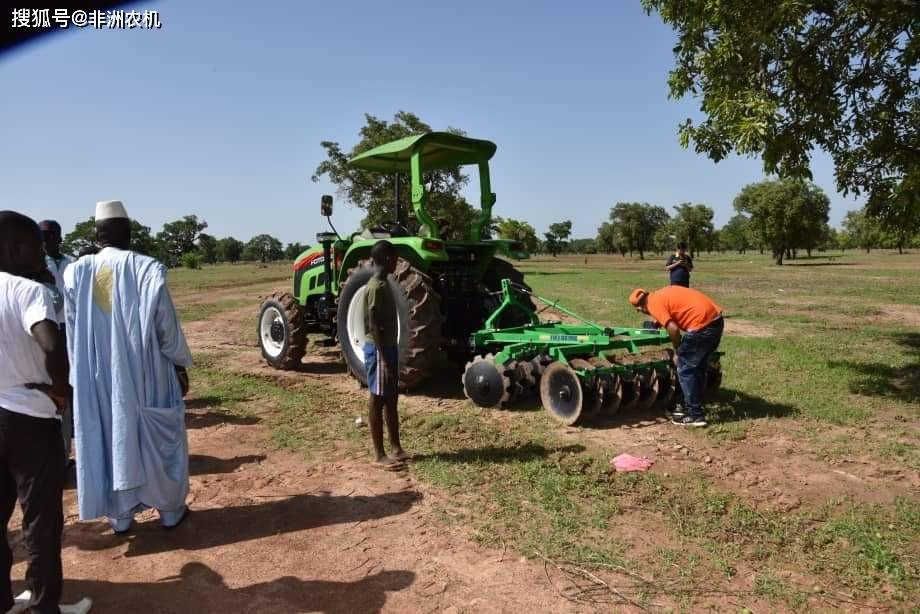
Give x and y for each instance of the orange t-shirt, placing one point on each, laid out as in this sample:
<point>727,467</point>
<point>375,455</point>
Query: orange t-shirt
<point>690,309</point>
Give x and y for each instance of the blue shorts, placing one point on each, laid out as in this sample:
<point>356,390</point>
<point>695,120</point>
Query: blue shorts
<point>381,381</point>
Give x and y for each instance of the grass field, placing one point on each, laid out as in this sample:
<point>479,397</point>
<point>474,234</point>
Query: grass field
<point>822,355</point>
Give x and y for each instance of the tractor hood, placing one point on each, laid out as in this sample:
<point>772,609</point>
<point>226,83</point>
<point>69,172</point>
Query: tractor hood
<point>438,150</point>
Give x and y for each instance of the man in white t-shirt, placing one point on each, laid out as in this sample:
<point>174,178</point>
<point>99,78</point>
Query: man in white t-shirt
<point>33,392</point>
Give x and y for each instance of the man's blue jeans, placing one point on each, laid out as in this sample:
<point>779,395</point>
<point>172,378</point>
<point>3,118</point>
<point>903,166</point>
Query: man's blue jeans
<point>692,360</point>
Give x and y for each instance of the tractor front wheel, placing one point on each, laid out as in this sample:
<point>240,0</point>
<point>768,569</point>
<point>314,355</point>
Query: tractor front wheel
<point>281,330</point>
<point>418,309</point>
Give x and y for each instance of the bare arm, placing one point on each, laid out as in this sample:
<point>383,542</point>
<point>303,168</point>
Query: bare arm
<point>674,333</point>
<point>48,336</point>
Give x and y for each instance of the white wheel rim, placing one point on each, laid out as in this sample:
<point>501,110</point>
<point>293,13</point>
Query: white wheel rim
<point>357,316</point>
<point>270,316</point>
<point>357,311</point>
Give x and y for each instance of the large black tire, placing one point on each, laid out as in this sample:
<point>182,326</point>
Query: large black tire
<point>498,270</point>
<point>418,307</point>
<point>281,331</point>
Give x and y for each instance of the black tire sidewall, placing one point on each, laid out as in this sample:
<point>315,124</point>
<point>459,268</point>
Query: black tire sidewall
<point>355,282</point>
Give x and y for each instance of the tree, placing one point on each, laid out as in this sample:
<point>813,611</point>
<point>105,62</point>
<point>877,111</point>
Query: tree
<point>293,250</point>
<point>178,238</point>
<point>901,219</point>
<point>786,214</point>
<point>374,192</point>
<point>778,79</point>
<point>514,230</point>
<point>264,248</point>
<point>229,249</point>
<point>583,246</point>
<point>207,248</point>
<point>862,231</point>
<point>693,224</point>
<point>557,237</point>
<point>736,233</point>
<point>606,238</point>
<point>637,225</point>
<point>83,236</point>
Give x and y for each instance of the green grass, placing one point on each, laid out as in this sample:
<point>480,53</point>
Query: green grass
<point>203,311</point>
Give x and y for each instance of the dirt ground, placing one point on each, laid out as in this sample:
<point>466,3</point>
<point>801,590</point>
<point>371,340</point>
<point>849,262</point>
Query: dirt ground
<point>271,533</point>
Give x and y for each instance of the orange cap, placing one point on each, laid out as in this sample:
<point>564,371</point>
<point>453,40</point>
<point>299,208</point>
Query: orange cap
<point>636,296</point>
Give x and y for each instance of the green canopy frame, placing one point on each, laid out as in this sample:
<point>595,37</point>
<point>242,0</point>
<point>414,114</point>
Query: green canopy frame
<point>429,152</point>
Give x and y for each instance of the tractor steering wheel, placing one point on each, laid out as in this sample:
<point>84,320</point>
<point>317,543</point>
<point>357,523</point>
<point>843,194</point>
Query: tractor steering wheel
<point>394,229</point>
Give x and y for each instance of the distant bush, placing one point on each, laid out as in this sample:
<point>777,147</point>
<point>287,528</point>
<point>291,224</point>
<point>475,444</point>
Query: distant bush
<point>191,261</point>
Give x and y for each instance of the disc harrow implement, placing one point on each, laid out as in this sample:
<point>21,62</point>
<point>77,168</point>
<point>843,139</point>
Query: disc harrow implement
<point>582,371</point>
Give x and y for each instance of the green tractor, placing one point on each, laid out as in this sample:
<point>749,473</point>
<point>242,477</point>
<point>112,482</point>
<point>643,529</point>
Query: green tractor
<point>445,289</point>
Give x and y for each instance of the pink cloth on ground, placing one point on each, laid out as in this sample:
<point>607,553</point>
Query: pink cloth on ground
<point>628,462</point>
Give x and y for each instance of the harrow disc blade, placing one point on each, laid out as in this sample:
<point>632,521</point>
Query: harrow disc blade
<point>667,388</point>
<point>484,382</point>
<point>592,395</point>
<point>561,393</point>
<point>647,380</point>
<point>713,380</point>
<point>609,387</point>
<point>630,393</point>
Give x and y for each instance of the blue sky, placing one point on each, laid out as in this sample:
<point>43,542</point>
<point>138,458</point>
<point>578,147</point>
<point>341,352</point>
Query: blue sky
<point>220,113</point>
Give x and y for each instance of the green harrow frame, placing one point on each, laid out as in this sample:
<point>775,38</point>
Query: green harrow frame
<point>581,370</point>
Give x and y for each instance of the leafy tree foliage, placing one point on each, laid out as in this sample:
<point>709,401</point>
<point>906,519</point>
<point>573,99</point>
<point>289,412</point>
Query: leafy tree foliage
<point>207,248</point>
<point>636,225</point>
<point>229,249</point>
<point>736,234</point>
<point>515,230</point>
<point>777,79</point>
<point>862,231</point>
<point>178,238</point>
<point>374,192</point>
<point>264,248</point>
<point>693,224</point>
<point>83,236</point>
<point>557,237</point>
<point>786,214</point>
<point>293,250</point>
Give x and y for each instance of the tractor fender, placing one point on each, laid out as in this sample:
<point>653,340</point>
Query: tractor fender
<point>411,249</point>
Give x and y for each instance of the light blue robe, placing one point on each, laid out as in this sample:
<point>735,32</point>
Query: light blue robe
<point>124,340</point>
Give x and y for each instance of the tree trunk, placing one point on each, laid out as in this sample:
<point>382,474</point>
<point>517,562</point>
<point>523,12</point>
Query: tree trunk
<point>808,251</point>
<point>778,256</point>
<point>900,249</point>
<point>641,255</point>
<point>867,250</point>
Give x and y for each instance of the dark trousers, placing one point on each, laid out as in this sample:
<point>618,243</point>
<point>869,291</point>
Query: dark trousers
<point>32,470</point>
<point>692,360</point>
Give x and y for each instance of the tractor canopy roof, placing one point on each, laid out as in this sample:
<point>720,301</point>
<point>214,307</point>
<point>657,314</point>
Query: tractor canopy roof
<point>438,150</point>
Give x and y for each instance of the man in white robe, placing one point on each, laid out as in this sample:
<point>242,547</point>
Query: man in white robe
<point>128,357</point>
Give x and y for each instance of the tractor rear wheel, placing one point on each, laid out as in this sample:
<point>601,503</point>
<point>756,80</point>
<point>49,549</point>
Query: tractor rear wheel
<point>498,270</point>
<point>418,307</point>
<point>282,332</point>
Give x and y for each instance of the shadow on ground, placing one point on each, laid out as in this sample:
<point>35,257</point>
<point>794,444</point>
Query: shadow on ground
<point>221,526</point>
<point>198,588</point>
<point>194,420</point>
<point>884,380</point>
<point>500,454</point>
<point>201,464</point>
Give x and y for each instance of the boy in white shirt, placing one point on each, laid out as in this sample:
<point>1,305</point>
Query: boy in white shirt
<point>33,393</point>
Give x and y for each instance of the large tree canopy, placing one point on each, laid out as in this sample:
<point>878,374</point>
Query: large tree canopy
<point>779,78</point>
<point>374,192</point>
<point>83,237</point>
<point>786,215</point>
<point>635,226</point>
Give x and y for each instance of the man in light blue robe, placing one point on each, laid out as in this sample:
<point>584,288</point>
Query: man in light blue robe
<point>128,357</point>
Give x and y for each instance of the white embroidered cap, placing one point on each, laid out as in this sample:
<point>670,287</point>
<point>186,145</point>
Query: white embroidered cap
<point>110,210</point>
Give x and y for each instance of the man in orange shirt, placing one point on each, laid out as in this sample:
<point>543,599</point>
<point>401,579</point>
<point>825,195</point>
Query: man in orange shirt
<point>694,323</point>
